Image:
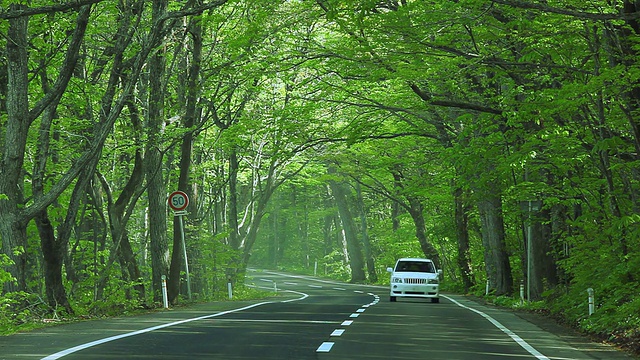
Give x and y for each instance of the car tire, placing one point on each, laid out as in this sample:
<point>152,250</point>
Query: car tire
<point>435,300</point>
<point>392,298</point>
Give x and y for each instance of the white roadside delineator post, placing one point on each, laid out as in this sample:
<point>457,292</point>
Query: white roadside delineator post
<point>165,298</point>
<point>592,302</point>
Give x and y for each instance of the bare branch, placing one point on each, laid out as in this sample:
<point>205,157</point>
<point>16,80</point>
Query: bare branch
<point>12,14</point>
<point>569,12</point>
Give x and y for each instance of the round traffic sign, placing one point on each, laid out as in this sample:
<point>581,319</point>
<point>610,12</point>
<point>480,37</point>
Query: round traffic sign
<point>178,200</point>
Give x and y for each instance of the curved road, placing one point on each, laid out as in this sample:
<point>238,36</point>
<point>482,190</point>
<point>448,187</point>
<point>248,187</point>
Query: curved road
<point>312,319</point>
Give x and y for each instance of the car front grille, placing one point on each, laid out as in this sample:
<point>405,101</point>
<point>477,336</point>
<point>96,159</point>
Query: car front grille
<point>415,281</point>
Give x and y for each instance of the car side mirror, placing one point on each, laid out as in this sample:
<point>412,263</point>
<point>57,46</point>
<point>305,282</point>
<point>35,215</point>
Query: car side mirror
<point>390,269</point>
<point>439,273</point>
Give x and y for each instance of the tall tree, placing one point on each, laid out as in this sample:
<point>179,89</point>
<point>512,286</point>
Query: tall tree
<point>366,241</point>
<point>340,193</point>
<point>156,186</point>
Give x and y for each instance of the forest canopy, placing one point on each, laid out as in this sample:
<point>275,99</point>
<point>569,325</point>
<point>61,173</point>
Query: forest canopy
<point>501,139</point>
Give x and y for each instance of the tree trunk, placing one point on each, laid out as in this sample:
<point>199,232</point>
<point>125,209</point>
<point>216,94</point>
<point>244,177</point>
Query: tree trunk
<point>234,239</point>
<point>53,253</point>
<point>416,211</point>
<point>462,232</point>
<point>260,210</point>
<point>396,207</point>
<point>120,212</point>
<point>366,242</point>
<point>493,239</point>
<point>53,250</point>
<point>544,266</point>
<point>192,116</point>
<point>356,263</point>
<point>327,229</point>
<point>12,226</point>
<point>156,188</point>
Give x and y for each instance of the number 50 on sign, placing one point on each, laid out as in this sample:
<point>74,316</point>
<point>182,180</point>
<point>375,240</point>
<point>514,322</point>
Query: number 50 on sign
<point>178,200</point>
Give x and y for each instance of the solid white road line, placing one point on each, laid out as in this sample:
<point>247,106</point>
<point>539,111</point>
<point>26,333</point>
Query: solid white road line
<point>74,349</point>
<point>276,321</point>
<point>525,345</point>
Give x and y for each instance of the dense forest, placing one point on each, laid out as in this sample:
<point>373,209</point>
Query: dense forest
<point>500,138</point>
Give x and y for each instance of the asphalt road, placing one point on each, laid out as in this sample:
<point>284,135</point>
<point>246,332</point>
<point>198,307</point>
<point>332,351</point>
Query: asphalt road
<point>313,319</point>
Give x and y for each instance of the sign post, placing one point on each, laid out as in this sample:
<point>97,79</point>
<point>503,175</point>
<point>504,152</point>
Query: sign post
<point>178,202</point>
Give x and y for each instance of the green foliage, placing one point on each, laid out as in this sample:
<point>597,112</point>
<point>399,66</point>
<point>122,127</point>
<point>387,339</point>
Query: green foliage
<point>210,258</point>
<point>334,266</point>
<point>21,311</point>
<point>5,276</point>
<point>244,292</point>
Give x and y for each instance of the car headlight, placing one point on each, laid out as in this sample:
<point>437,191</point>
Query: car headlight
<point>396,280</point>
<point>432,281</point>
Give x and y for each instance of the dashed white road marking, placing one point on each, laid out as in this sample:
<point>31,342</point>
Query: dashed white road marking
<point>325,347</point>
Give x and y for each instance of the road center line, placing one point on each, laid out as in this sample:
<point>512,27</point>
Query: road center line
<point>525,345</point>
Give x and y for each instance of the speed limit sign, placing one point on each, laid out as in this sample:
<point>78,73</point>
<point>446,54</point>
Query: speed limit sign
<point>178,200</point>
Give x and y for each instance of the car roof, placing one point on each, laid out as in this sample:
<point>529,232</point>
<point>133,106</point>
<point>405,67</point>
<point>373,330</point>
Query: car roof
<point>415,259</point>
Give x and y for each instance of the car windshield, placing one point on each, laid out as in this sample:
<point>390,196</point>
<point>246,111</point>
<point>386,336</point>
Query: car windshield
<point>415,266</point>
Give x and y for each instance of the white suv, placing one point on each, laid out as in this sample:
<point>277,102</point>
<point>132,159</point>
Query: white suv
<point>414,277</point>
